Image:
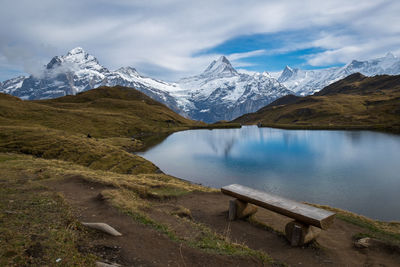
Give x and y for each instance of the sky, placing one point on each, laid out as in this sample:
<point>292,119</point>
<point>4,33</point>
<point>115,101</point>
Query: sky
<point>170,39</point>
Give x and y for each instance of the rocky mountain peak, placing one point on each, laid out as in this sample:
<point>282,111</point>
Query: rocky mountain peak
<point>223,59</point>
<point>287,68</point>
<point>76,51</point>
<point>390,55</point>
<point>75,59</point>
<point>128,71</point>
<point>78,55</point>
<point>287,73</point>
<point>220,67</point>
<point>54,62</point>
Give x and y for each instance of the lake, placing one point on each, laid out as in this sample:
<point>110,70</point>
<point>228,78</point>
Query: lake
<point>357,171</point>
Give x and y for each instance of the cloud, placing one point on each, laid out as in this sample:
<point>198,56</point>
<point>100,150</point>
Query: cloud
<point>236,56</point>
<point>163,38</point>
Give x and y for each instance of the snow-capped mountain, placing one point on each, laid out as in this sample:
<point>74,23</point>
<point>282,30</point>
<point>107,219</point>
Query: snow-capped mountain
<point>221,93</point>
<point>77,71</point>
<point>9,86</point>
<point>218,93</point>
<point>305,82</point>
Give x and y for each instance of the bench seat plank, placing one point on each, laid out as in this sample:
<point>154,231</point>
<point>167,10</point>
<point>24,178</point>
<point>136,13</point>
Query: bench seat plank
<point>301,212</point>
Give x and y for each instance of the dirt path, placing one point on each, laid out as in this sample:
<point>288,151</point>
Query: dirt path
<point>336,244</point>
<point>139,245</point>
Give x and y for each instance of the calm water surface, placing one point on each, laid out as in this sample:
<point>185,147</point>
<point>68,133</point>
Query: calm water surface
<point>353,170</point>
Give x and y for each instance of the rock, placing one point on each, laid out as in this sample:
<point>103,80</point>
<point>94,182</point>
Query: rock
<point>363,242</point>
<point>299,234</point>
<point>103,264</point>
<point>103,227</point>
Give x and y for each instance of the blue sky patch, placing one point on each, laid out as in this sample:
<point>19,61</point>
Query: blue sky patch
<point>281,49</point>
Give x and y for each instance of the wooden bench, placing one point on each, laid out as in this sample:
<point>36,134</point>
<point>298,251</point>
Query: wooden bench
<point>308,221</point>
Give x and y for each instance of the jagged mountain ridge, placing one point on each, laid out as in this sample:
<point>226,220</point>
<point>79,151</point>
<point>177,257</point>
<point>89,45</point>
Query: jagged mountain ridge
<point>9,86</point>
<point>76,72</point>
<point>222,93</point>
<point>306,82</point>
<point>219,93</point>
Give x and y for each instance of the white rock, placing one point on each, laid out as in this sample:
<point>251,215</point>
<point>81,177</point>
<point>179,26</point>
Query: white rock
<point>103,227</point>
<point>363,242</point>
<point>103,264</point>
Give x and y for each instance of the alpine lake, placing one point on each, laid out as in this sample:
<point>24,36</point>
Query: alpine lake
<point>358,171</point>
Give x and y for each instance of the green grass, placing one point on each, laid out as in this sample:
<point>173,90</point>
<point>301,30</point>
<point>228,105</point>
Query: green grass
<point>102,112</point>
<point>385,231</point>
<point>371,229</point>
<point>55,144</point>
<point>31,213</point>
<point>212,242</point>
<point>166,192</point>
<point>47,140</point>
<point>36,225</point>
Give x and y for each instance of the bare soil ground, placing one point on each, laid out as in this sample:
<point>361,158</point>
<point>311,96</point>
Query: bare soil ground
<point>334,247</point>
<point>141,245</point>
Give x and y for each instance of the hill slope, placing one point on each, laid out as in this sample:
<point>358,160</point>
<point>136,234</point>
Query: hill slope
<point>59,128</point>
<point>103,112</point>
<point>354,102</point>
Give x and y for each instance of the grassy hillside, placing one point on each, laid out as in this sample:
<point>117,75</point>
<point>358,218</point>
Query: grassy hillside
<point>59,128</point>
<point>356,102</point>
<point>102,112</point>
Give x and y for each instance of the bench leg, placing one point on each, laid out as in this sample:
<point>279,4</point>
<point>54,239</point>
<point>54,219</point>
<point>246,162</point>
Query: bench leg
<point>239,209</point>
<point>299,234</point>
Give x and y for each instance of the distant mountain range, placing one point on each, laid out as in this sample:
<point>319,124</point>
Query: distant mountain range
<point>306,82</point>
<point>78,71</point>
<point>219,93</point>
<point>222,93</point>
<point>355,102</point>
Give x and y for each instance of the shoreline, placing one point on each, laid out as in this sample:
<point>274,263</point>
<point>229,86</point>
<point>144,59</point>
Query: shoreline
<point>381,129</point>
<point>265,126</point>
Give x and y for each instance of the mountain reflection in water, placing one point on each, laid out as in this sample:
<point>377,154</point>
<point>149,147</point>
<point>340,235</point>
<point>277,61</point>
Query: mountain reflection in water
<point>353,170</point>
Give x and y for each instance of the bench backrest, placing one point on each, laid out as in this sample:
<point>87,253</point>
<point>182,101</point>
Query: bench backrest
<point>299,211</point>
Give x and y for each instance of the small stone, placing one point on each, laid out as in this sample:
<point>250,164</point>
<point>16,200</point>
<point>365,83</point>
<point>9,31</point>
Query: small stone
<point>103,264</point>
<point>363,242</point>
<point>103,227</point>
